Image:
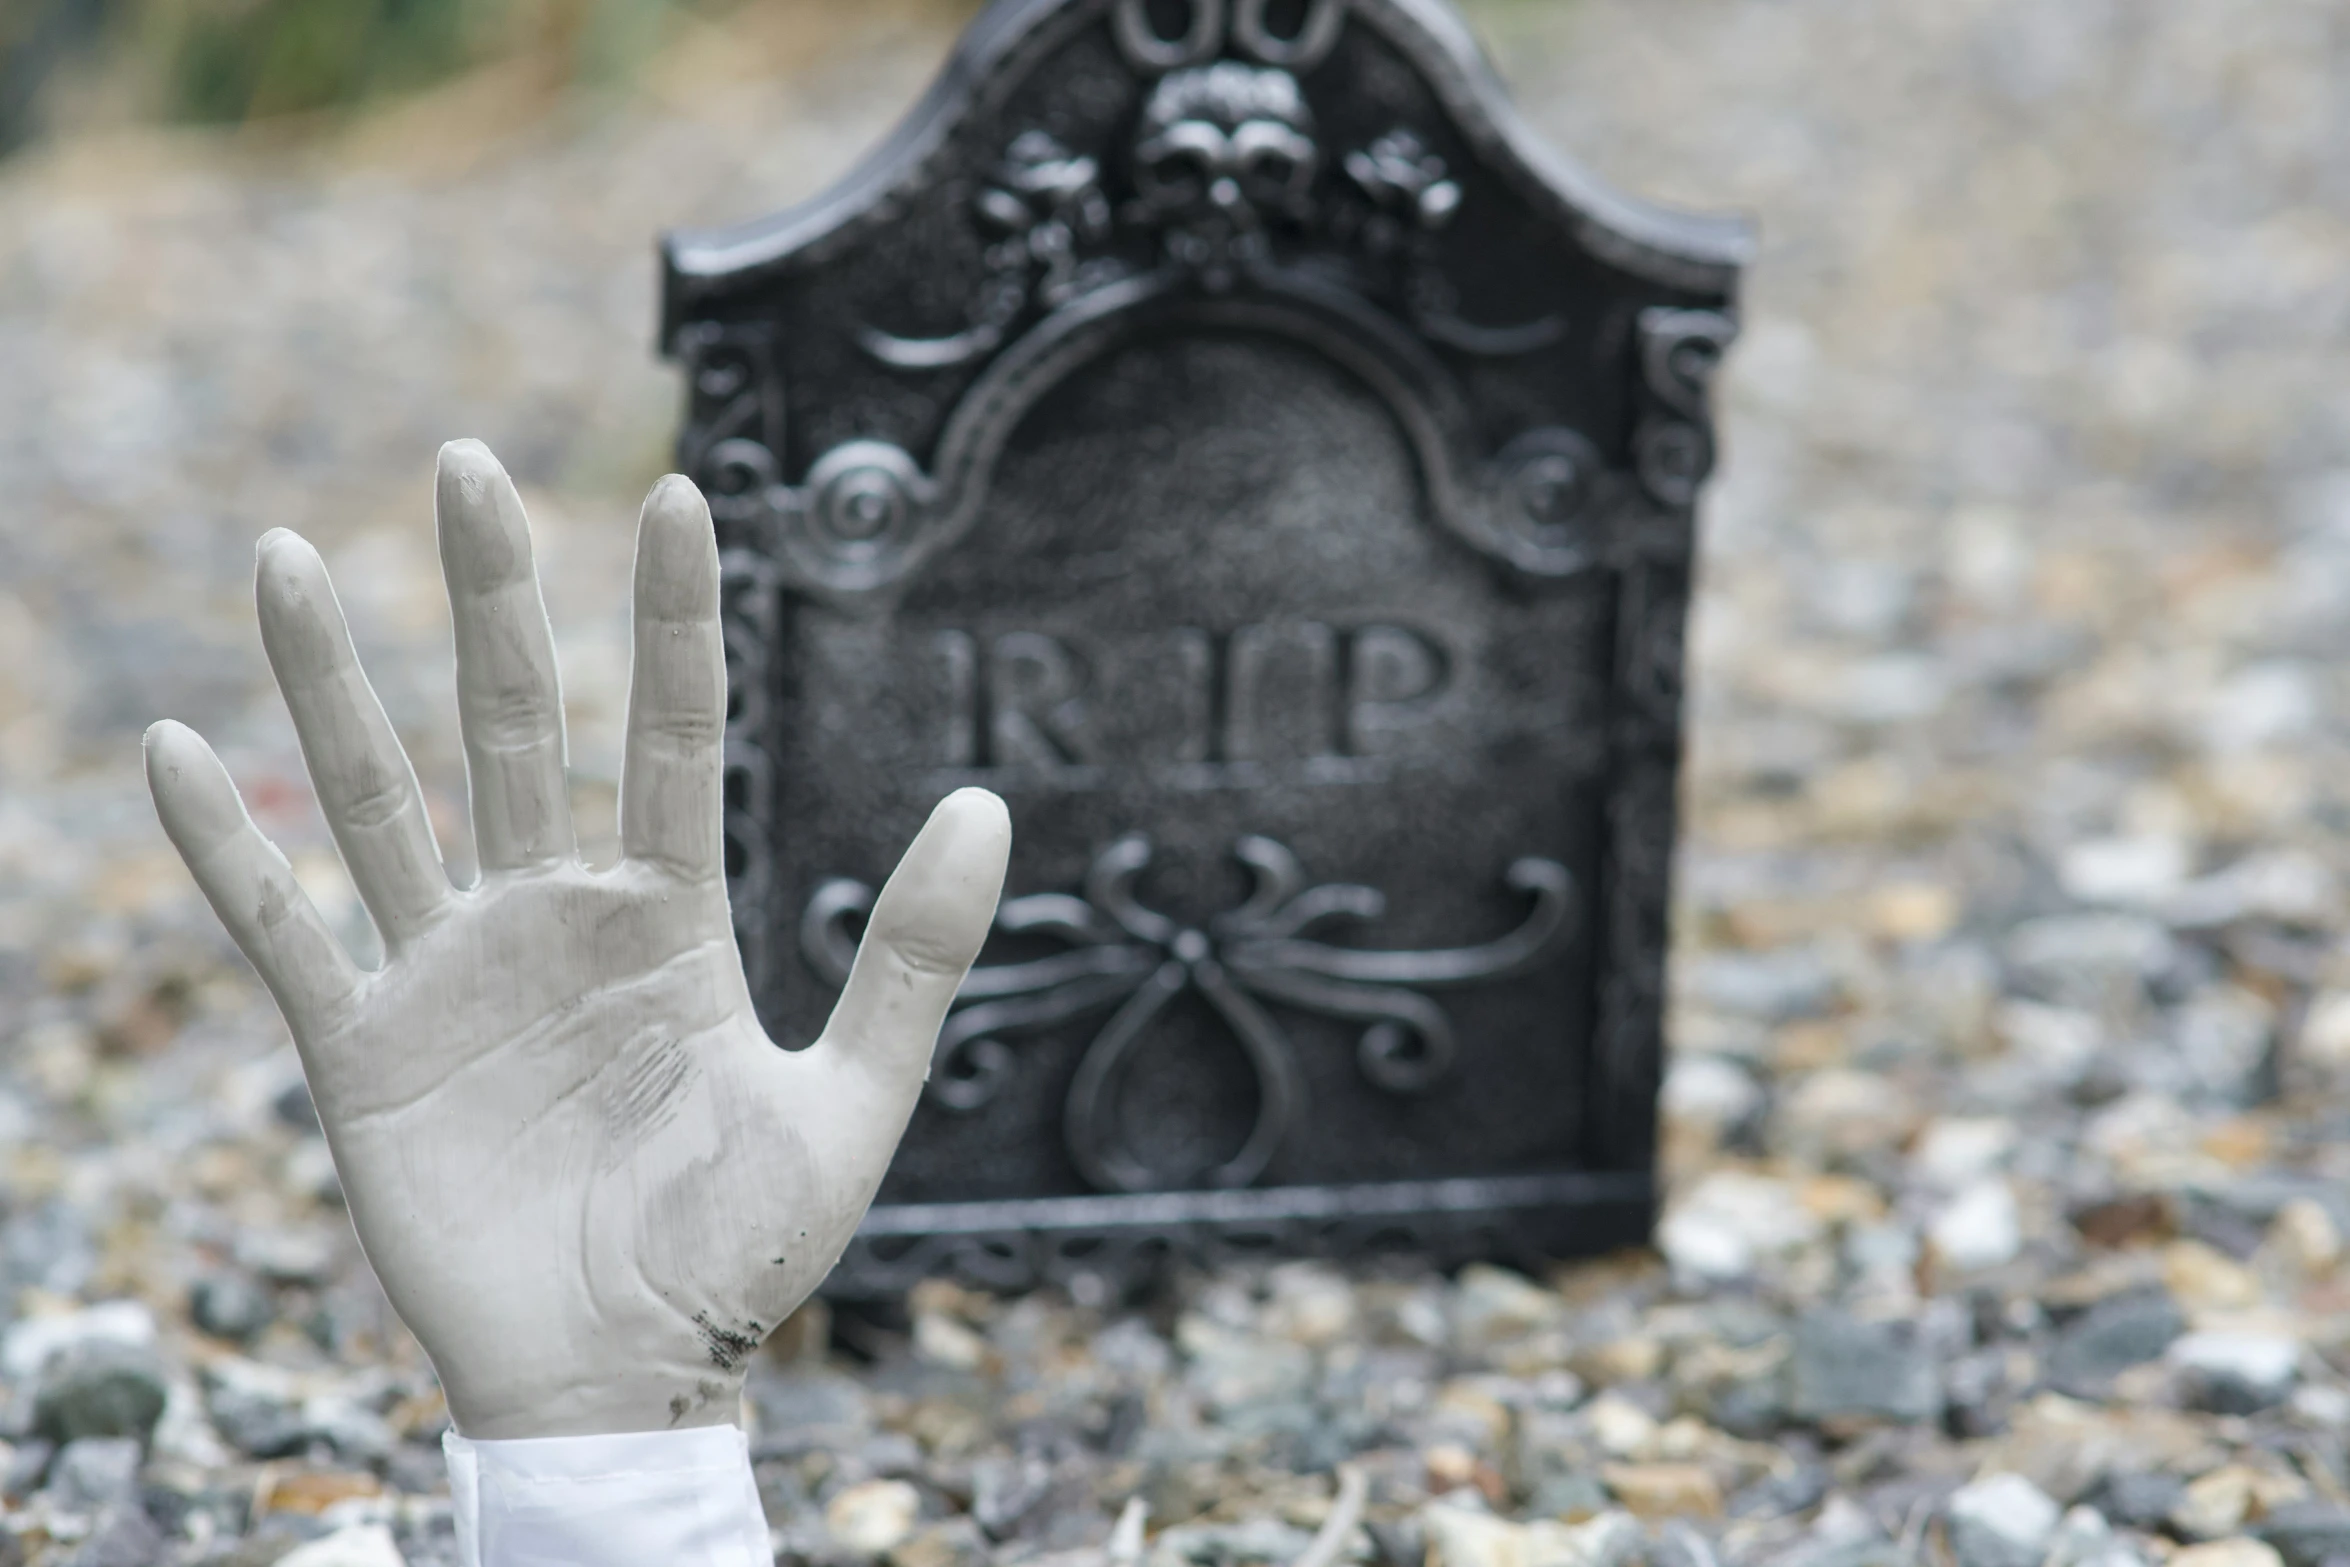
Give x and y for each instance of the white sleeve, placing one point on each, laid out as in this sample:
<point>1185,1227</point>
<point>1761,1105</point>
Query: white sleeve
<point>645,1499</point>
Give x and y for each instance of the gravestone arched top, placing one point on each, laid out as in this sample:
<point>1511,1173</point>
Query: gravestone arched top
<point>1668,245</point>
<point>1344,173</point>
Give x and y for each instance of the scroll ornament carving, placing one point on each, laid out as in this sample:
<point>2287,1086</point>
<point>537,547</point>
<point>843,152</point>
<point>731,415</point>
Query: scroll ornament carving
<point>1224,157</point>
<point>1046,207</point>
<point>1125,956</point>
<point>1680,350</point>
<point>730,371</point>
<point>1224,189</point>
<point>1226,201</point>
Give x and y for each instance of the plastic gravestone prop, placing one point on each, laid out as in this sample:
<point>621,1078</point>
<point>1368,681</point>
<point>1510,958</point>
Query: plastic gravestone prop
<point>588,1181</point>
<point>1218,427</point>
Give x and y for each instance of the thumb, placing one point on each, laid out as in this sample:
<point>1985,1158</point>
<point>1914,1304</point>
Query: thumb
<point>926,929</point>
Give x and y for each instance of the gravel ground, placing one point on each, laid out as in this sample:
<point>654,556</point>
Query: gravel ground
<point>2011,1089</point>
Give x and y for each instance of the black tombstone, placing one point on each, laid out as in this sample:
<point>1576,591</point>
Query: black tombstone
<point>1218,427</point>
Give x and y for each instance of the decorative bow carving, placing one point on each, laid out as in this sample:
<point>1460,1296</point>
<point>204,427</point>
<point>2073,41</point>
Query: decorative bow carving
<point>1126,956</point>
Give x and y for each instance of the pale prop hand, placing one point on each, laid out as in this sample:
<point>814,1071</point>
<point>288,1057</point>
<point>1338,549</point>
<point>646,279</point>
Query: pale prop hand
<point>588,1181</point>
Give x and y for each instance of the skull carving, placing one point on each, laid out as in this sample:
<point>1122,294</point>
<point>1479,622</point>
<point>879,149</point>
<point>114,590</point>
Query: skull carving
<point>1221,149</point>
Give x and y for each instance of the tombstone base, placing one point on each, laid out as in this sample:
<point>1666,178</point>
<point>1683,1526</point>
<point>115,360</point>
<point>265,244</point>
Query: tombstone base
<point>1121,1240</point>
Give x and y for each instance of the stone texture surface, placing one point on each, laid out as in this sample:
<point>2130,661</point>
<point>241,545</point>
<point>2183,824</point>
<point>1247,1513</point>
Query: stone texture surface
<point>2011,1018</point>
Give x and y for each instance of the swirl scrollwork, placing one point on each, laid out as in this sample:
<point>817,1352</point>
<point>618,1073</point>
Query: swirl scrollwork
<point>736,425</point>
<point>1147,49</point>
<point>1680,350</point>
<point>1131,960</point>
<point>1248,25</point>
<point>1302,50</point>
<point>1545,494</point>
<point>862,511</point>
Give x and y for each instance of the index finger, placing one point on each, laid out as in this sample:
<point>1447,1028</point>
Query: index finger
<point>248,883</point>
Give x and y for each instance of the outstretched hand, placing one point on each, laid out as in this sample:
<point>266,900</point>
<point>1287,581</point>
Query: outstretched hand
<point>588,1181</point>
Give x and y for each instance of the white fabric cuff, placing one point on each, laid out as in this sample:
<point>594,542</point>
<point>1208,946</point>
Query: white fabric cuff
<point>643,1499</point>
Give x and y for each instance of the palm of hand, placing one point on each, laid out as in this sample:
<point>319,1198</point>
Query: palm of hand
<point>639,1143</point>
<point>588,1181</point>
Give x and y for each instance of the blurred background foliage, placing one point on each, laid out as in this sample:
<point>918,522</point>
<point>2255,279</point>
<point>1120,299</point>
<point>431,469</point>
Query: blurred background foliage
<point>93,63</point>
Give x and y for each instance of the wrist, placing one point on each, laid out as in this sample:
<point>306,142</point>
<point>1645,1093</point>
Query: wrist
<point>648,1400</point>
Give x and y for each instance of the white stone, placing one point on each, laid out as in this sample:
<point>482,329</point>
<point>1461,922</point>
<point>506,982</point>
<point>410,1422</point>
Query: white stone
<point>1843,1112</point>
<point>2261,704</point>
<point>1313,1303</point>
<point>2001,1520</point>
<point>30,1343</point>
<point>2123,870</point>
<point>184,1434</point>
<point>2263,1363</point>
<point>1622,1428</point>
<point>2287,885</point>
<point>1979,1228</point>
<point>2152,1141</point>
<point>1609,1540</point>
<point>873,1515</point>
<point>942,1341</point>
<point>2238,1552</point>
<point>360,1545</point>
<point>1842,1520</point>
<point>2056,1044</point>
<point>1464,1537</point>
<point>2325,1031</point>
<point>1954,1150</point>
<point>2085,1539</point>
<point>1461,1536</point>
<point>1729,1222</point>
<point>1709,1092</point>
<point>2304,1236</point>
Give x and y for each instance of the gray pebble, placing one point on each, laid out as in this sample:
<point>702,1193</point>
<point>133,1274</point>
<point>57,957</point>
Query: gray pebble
<point>1006,1491</point>
<point>99,1388</point>
<point>807,1409</point>
<point>48,1247</point>
<point>231,1305</point>
<point>27,1465</point>
<point>1778,1496</point>
<point>2117,1333</point>
<point>1575,1495</point>
<point>2090,959</point>
<point>1843,1369</point>
<point>254,1423</point>
<point>2308,1534</point>
<point>2138,1499</point>
<point>1772,986</point>
<point>125,1537</point>
<point>95,1472</point>
<point>295,1109</point>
